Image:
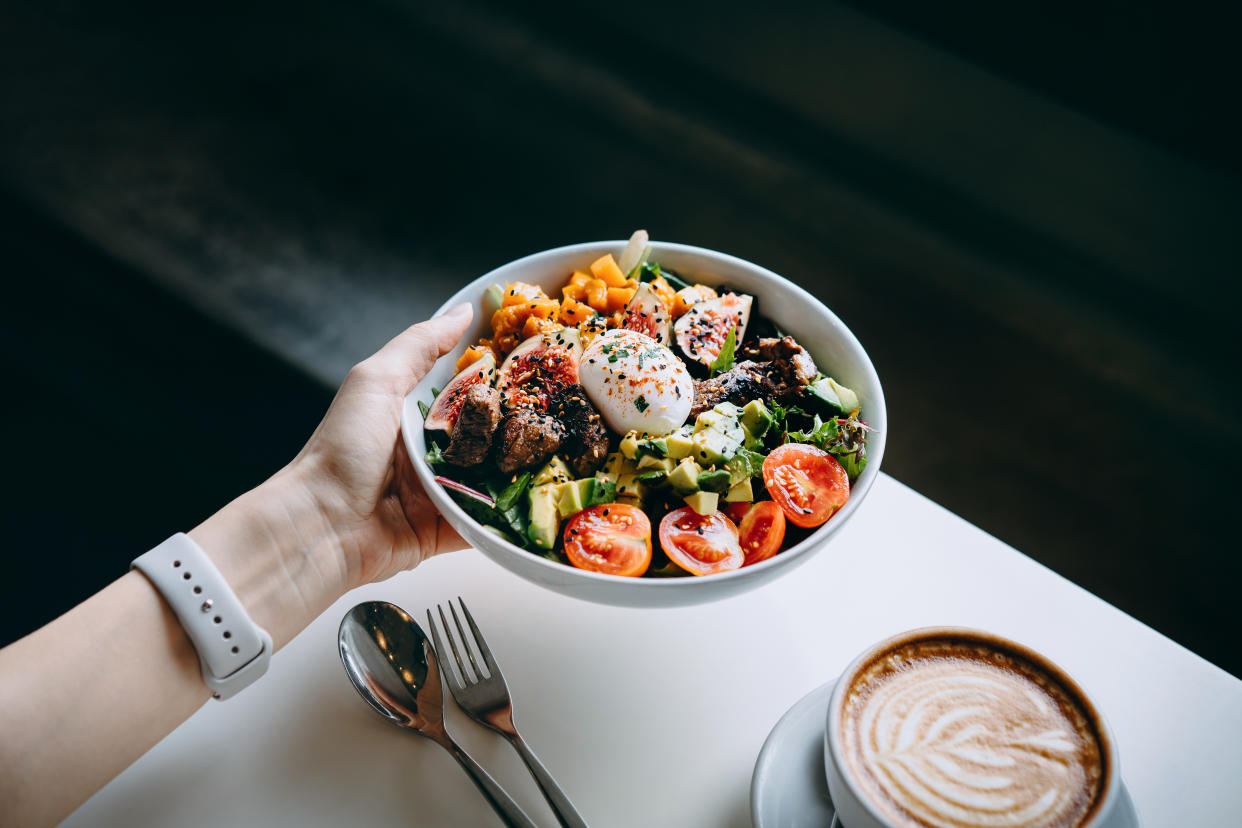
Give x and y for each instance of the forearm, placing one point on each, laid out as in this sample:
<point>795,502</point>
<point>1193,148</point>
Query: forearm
<point>86,695</point>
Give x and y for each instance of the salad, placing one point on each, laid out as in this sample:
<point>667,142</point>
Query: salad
<point>641,425</point>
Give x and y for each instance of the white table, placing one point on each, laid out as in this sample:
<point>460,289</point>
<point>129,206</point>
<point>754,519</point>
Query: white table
<point>655,718</point>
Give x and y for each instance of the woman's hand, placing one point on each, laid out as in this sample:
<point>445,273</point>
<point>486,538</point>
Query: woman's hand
<point>348,509</point>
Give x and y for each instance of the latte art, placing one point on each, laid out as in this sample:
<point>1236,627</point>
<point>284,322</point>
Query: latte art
<point>953,733</point>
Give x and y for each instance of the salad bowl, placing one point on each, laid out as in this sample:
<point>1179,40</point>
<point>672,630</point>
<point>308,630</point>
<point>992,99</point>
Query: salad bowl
<point>792,309</point>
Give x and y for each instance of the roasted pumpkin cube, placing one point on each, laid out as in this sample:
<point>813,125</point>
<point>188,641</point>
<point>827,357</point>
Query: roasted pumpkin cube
<point>517,293</point>
<point>618,298</point>
<point>536,325</point>
<point>606,269</point>
<point>575,313</point>
<point>472,354</point>
<point>664,290</point>
<point>597,294</point>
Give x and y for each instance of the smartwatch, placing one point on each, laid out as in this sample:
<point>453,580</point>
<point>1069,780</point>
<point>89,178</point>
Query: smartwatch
<point>233,651</point>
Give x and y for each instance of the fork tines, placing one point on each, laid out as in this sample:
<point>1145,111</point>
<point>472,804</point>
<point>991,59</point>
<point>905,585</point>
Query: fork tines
<point>477,674</point>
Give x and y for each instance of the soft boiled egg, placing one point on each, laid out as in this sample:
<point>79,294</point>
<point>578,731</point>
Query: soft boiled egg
<point>636,383</point>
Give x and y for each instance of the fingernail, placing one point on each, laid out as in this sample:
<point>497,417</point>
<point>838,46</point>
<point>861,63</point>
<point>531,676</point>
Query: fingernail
<point>459,310</point>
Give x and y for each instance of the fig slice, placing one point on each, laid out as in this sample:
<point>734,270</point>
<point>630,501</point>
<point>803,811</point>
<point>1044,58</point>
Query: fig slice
<point>538,368</point>
<point>648,314</point>
<point>446,407</point>
<point>701,331</point>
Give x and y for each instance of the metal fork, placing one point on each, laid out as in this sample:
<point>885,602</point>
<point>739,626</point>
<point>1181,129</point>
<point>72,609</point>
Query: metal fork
<point>486,700</point>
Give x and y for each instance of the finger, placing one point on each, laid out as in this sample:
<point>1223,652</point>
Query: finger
<point>407,358</point>
<point>447,539</point>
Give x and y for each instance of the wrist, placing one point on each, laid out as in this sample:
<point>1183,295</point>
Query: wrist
<point>279,553</point>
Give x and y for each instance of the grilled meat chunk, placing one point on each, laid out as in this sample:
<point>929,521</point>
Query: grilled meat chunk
<point>471,437</point>
<point>586,440</point>
<point>527,438</point>
<point>742,383</point>
<point>792,367</point>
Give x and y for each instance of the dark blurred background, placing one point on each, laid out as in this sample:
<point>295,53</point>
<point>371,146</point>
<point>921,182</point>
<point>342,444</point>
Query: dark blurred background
<point>1029,213</point>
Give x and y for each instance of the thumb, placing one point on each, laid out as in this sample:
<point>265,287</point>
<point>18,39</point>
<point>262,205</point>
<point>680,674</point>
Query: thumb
<point>408,356</point>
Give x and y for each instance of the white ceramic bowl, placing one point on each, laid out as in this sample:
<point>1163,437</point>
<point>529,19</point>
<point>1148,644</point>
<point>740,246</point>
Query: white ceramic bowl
<point>836,352</point>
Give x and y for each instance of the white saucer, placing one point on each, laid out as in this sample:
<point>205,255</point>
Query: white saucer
<point>789,788</point>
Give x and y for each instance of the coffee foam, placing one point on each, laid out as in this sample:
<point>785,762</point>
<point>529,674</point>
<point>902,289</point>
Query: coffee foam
<point>949,731</point>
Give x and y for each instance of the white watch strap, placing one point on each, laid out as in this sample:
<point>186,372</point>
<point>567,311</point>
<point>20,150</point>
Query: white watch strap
<point>233,651</point>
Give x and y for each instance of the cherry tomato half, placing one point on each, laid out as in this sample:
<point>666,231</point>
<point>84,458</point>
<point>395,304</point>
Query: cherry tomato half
<point>807,483</point>
<point>699,544</point>
<point>761,532</point>
<point>614,539</point>
<point>736,511</point>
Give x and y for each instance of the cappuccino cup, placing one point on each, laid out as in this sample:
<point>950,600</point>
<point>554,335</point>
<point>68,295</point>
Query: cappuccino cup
<point>948,726</point>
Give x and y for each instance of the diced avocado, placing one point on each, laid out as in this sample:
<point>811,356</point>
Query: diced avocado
<point>728,409</point>
<point>545,521</point>
<point>679,445</point>
<point>740,492</point>
<point>744,464</point>
<point>630,489</point>
<point>629,445</point>
<point>709,419</point>
<point>837,396</point>
<point>714,481</point>
<point>733,431</point>
<point>703,502</point>
<point>604,491</point>
<point>756,418</point>
<point>573,496</point>
<point>712,447</point>
<point>685,478</point>
<point>554,471</point>
<point>849,399</point>
<point>613,466</point>
<point>650,461</point>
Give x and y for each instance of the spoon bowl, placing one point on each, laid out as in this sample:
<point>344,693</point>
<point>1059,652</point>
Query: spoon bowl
<point>393,666</point>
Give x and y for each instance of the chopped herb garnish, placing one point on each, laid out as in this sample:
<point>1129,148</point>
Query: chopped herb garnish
<point>640,403</point>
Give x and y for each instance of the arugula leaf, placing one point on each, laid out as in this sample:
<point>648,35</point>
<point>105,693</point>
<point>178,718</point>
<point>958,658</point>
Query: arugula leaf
<point>480,512</point>
<point>518,518</point>
<point>744,464</point>
<point>652,445</point>
<point>820,435</point>
<point>512,523</point>
<point>424,408</point>
<point>435,392</point>
<point>725,361</point>
<point>850,447</point>
<point>434,456</point>
<point>512,492</point>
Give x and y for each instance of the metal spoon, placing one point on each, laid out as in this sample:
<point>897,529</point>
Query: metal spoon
<point>393,667</point>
